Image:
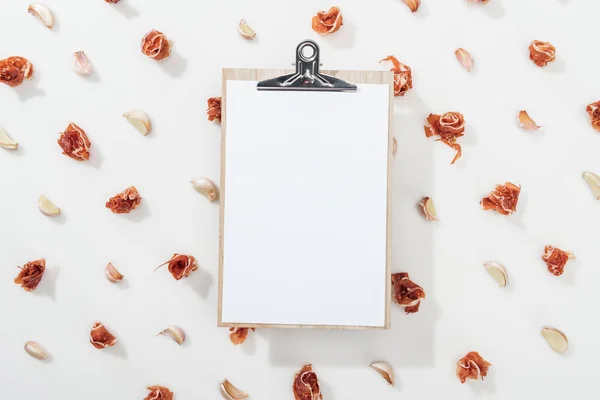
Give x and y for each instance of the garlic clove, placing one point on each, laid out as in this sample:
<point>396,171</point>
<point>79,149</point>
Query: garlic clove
<point>592,180</point>
<point>526,122</point>
<point>230,392</point>
<point>385,370</point>
<point>112,274</point>
<point>81,64</point>
<point>245,30</point>
<point>42,13</point>
<point>47,207</point>
<point>36,351</point>
<point>427,209</point>
<point>498,272</point>
<point>206,187</point>
<point>465,59</point>
<point>556,339</point>
<point>394,146</point>
<point>413,4</point>
<point>140,121</point>
<point>175,332</point>
<point>6,141</point>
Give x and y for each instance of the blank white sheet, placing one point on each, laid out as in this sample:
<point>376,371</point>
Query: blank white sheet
<point>305,206</point>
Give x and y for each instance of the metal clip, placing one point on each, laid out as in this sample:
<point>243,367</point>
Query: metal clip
<point>307,76</point>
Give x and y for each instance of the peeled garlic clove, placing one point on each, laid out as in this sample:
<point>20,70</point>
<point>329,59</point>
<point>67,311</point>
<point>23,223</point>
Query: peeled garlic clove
<point>112,274</point>
<point>498,272</point>
<point>592,180</point>
<point>556,339</point>
<point>36,351</point>
<point>47,207</point>
<point>385,370</point>
<point>526,122</point>
<point>394,147</point>
<point>207,188</point>
<point>81,64</point>
<point>175,332</point>
<point>465,59</point>
<point>427,209</point>
<point>245,30</point>
<point>230,392</point>
<point>413,4</point>
<point>140,121</point>
<point>42,13</point>
<point>6,141</point>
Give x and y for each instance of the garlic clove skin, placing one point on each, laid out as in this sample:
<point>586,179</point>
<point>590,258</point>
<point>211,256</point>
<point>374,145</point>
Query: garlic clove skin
<point>47,207</point>
<point>42,13</point>
<point>230,392</point>
<point>112,274</point>
<point>206,187</point>
<point>6,141</point>
<point>498,272</point>
<point>591,179</point>
<point>413,4</point>
<point>465,59</point>
<point>36,351</point>
<point>526,122</point>
<point>427,209</point>
<point>140,121</point>
<point>556,339</point>
<point>175,332</point>
<point>81,64</point>
<point>385,370</point>
<point>245,30</point>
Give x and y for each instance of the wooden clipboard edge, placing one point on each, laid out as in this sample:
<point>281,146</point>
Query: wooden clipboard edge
<point>374,77</point>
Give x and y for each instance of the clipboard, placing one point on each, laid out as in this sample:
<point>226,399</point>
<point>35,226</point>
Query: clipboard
<point>305,213</point>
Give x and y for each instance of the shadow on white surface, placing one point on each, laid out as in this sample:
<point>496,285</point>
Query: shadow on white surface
<point>344,38</point>
<point>201,281</point>
<point>96,158</point>
<point>249,346</point>
<point>488,385</point>
<point>139,214</point>
<point>569,276</point>
<point>422,12</point>
<point>174,65</point>
<point>494,9</point>
<point>410,342</point>
<point>60,219</point>
<point>559,66</point>
<point>28,89</point>
<point>516,219</point>
<point>124,8</point>
<point>47,286</point>
<point>118,350</point>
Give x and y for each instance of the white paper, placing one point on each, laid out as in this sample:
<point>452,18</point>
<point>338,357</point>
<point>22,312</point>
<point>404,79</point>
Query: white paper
<point>305,206</point>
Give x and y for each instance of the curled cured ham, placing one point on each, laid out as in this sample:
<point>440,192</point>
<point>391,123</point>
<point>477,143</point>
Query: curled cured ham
<point>406,293</point>
<point>214,109</point>
<point>75,143</point>
<point>100,337</point>
<point>556,259</point>
<point>503,199</point>
<point>181,265</point>
<point>449,127</point>
<point>541,53</point>
<point>122,203</point>
<point>31,274</point>
<point>238,335</point>
<point>326,22</point>
<point>14,69</point>
<point>593,111</point>
<point>402,76</point>
<point>472,366</point>
<point>306,385</point>
<point>159,393</point>
<point>156,45</point>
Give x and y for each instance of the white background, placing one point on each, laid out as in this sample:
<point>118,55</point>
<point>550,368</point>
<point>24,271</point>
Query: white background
<point>464,311</point>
